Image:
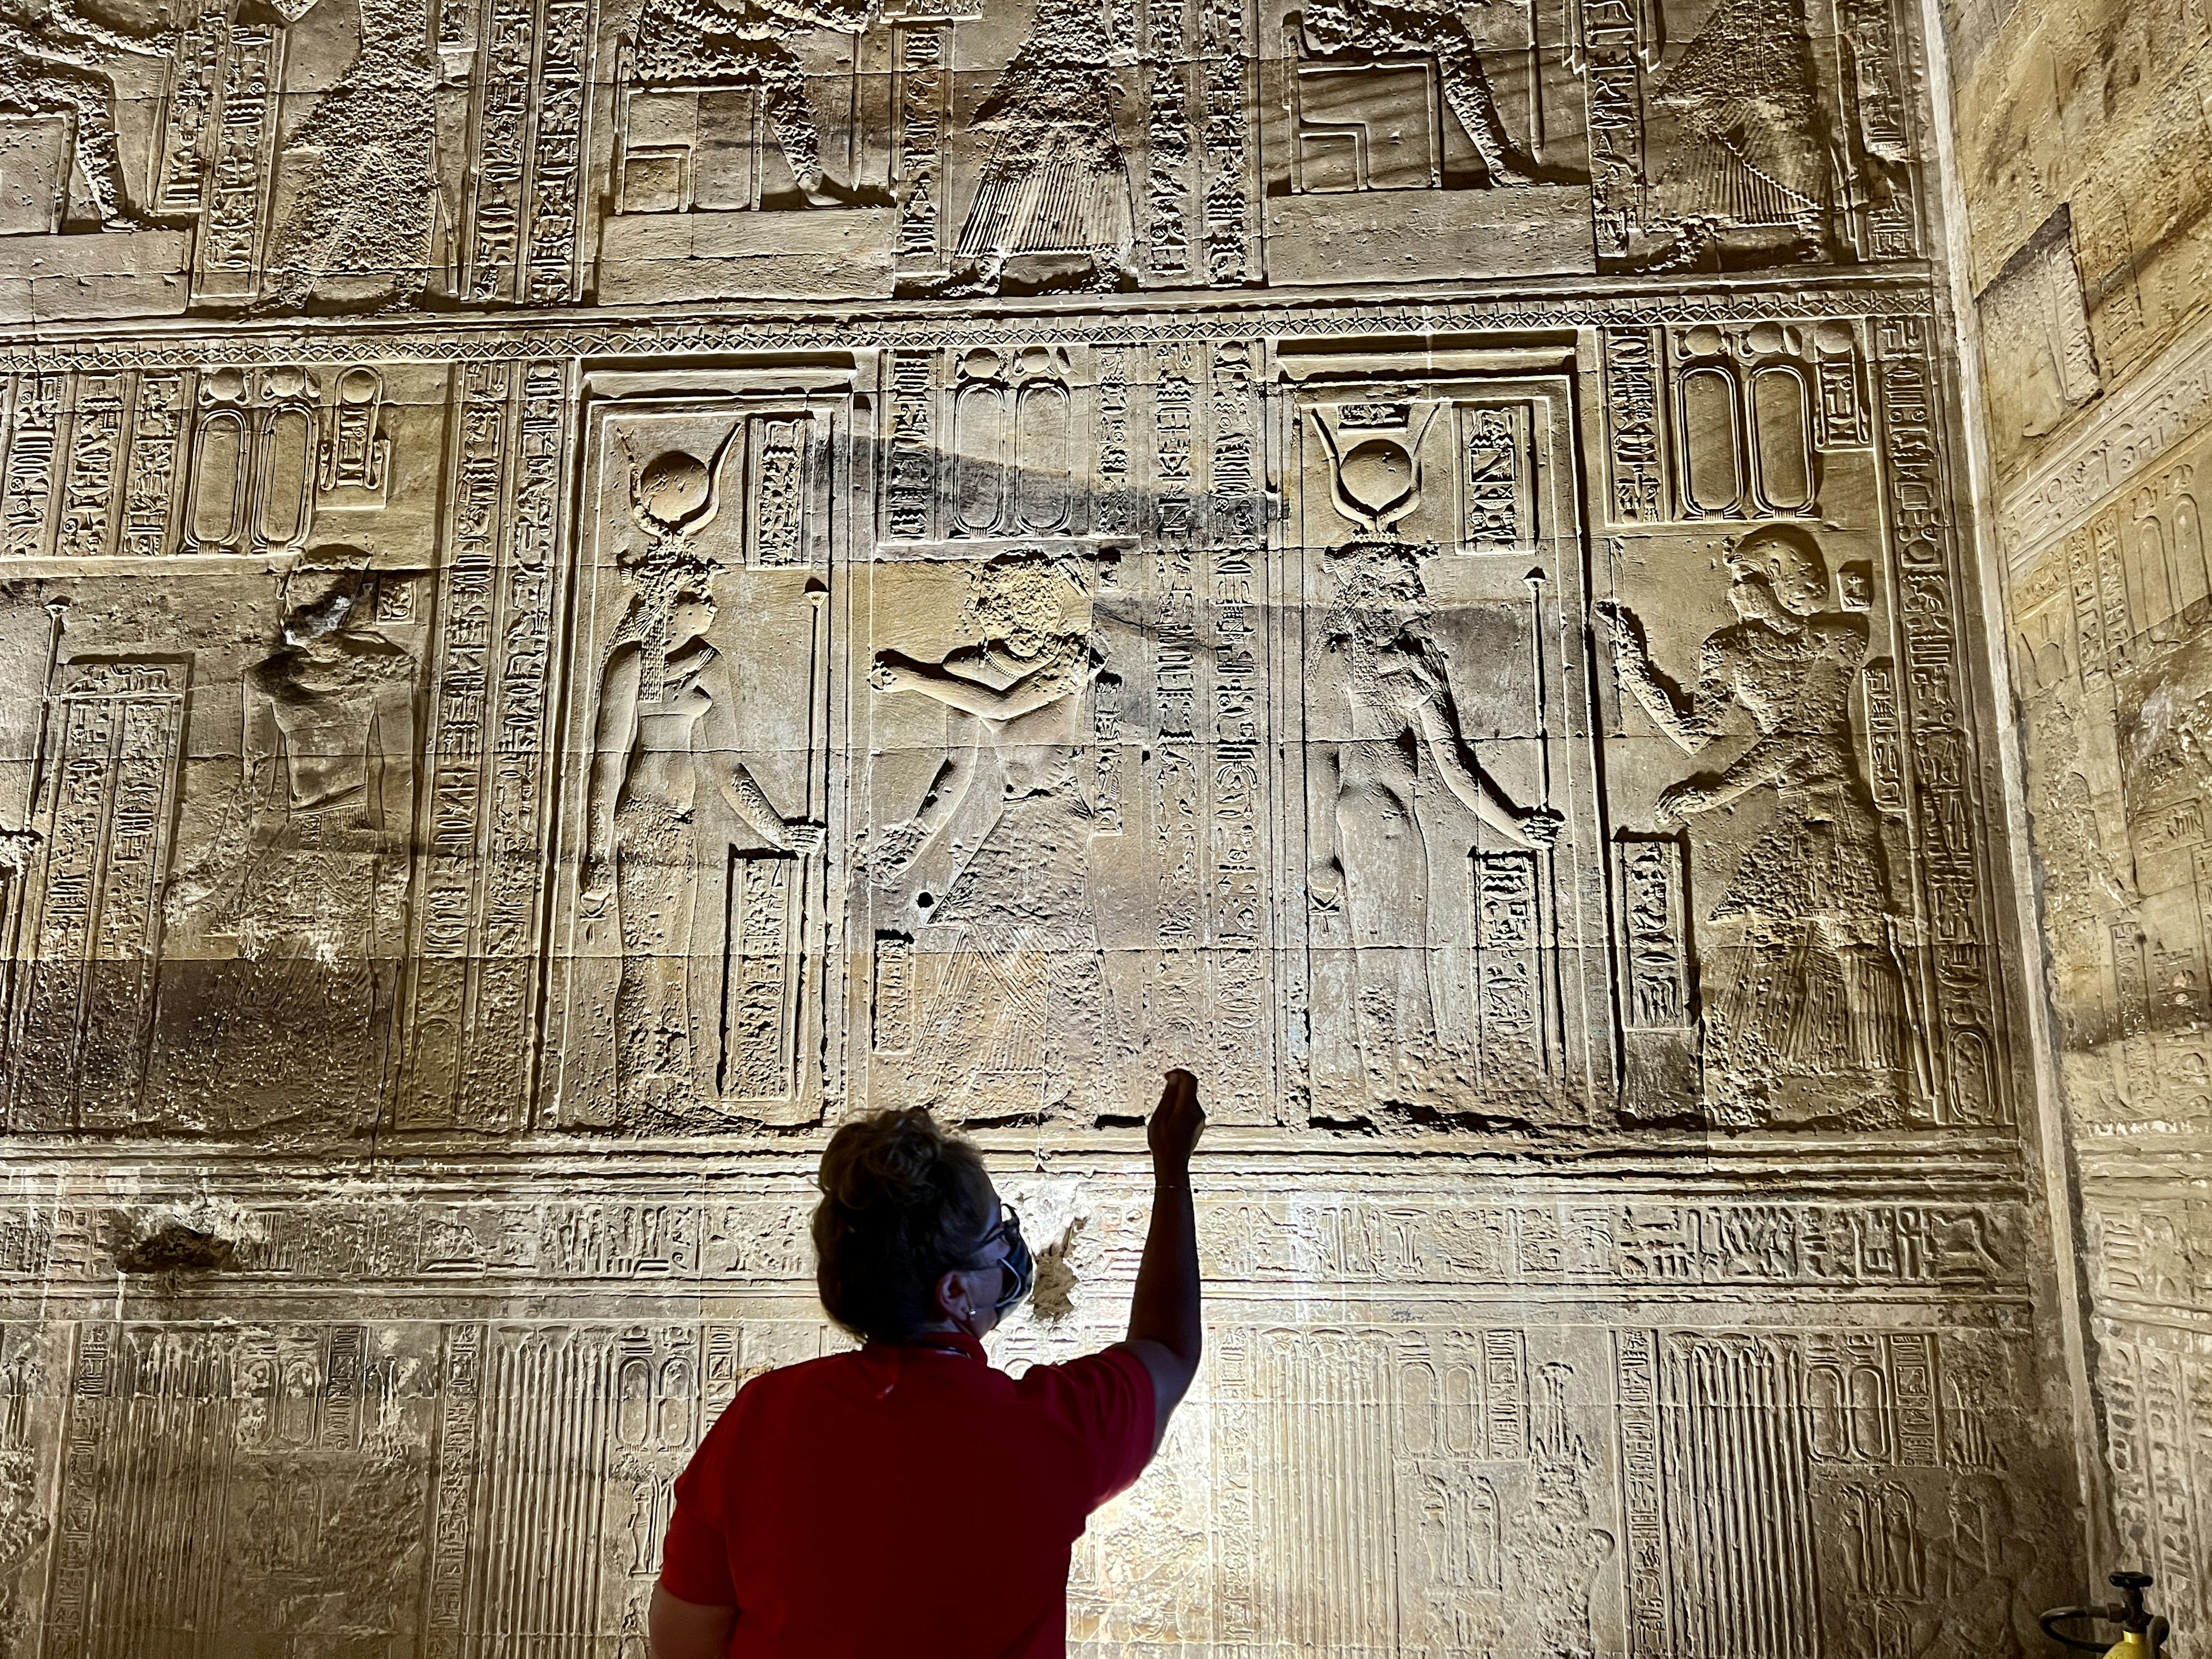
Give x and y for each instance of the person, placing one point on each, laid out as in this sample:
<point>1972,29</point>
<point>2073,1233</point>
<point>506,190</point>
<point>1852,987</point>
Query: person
<point>908,1499</point>
<point>1437,29</point>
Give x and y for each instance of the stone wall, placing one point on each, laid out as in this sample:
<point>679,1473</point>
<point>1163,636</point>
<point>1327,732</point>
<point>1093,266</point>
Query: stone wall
<point>2086,162</point>
<point>759,559</point>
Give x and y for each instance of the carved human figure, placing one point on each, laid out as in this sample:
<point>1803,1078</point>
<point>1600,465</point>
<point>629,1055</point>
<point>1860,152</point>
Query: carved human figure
<point>1759,156</point>
<point>360,211</point>
<point>1053,178</point>
<point>1436,28</point>
<point>1999,1568</point>
<point>1816,991</point>
<point>1020,1021</point>
<point>747,43</point>
<point>665,723</point>
<point>1372,830</point>
<point>53,61</point>
<point>310,869</point>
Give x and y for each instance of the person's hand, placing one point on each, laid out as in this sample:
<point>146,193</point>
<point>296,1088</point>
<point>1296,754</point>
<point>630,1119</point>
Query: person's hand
<point>1627,641</point>
<point>599,886</point>
<point>895,850</point>
<point>1678,801</point>
<point>1177,1124</point>
<point>1540,826</point>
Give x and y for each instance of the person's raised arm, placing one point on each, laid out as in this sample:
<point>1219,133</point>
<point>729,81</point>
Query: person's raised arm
<point>1166,1330</point>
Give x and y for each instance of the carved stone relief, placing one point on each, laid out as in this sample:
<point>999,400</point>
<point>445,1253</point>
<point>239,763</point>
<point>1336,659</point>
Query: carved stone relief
<point>597,588</point>
<point>2105,631</point>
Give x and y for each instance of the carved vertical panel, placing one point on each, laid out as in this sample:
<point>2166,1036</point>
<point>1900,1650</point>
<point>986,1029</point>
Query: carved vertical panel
<point>1512,997</point>
<point>910,472</point>
<point>1740,1554</point>
<point>1170,140</point>
<point>149,502</point>
<point>1643,1488</point>
<point>446,1564</point>
<point>693,989</point>
<point>1612,54</point>
<point>1241,853</point>
<point>1659,1034</point>
<point>242,145</point>
<point>1351,1605</point>
<point>1223,67</point>
<point>188,114</point>
<point>34,416</point>
<point>460,694</point>
<point>528,134</point>
<point>521,771</point>
<point>1452,855</point>
<point>91,923</point>
<point>88,489</point>
<point>1945,787</point>
<point>542,1468</point>
<point>481,867</point>
<point>761,1016</point>
<point>921,84</point>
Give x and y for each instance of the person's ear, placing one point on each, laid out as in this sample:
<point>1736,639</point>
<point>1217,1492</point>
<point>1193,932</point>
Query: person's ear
<point>952,1297</point>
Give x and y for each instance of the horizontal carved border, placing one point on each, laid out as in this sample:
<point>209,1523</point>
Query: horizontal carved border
<point>1407,1242</point>
<point>432,338</point>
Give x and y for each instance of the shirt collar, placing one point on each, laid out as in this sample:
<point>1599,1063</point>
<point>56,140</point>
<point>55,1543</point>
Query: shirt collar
<point>937,1341</point>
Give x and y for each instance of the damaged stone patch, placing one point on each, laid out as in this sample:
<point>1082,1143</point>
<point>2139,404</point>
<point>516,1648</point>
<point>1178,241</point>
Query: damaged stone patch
<point>164,1242</point>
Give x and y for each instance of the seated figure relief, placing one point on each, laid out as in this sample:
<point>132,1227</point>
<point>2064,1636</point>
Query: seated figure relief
<point>1054,182</point>
<point>749,44</point>
<point>309,873</point>
<point>358,225</point>
<point>53,61</point>
<point>1756,175</point>
<point>1438,30</point>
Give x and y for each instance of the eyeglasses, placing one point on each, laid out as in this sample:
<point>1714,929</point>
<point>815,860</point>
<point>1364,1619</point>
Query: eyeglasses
<point>1009,1228</point>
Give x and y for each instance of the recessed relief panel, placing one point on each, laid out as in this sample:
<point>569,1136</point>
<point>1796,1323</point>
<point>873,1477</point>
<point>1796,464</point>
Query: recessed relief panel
<point>1456,918</point>
<point>696,793</point>
<point>1071,811</point>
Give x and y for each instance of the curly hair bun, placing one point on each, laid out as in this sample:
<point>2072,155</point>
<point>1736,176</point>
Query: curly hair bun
<point>886,1159</point>
<point>902,1203</point>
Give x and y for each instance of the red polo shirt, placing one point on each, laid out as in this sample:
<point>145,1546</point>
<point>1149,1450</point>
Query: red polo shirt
<point>905,1500</point>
